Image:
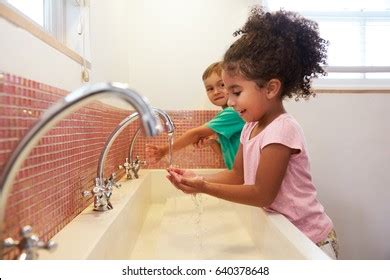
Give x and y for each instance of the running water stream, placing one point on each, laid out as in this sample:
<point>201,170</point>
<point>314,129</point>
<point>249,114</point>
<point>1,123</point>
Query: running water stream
<point>170,149</point>
<point>196,198</point>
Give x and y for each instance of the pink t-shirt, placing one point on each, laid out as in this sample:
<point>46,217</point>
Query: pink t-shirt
<point>297,197</point>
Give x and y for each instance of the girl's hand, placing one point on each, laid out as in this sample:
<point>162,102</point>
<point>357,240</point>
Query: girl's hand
<point>154,153</point>
<point>184,172</point>
<point>186,180</point>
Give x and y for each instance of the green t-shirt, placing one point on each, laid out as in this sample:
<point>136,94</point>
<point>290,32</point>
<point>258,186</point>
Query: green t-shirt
<point>227,124</point>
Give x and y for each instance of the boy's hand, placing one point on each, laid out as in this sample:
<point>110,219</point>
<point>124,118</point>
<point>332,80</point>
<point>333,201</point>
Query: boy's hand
<point>153,153</point>
<point>186,180</point>
<point>205,142</point>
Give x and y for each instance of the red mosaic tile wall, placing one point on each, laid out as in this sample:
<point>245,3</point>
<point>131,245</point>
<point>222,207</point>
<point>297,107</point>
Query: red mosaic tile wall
<point>47,190</point>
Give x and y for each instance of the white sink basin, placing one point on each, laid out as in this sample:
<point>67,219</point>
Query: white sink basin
<point>211,230</point>
<point>153,220</point>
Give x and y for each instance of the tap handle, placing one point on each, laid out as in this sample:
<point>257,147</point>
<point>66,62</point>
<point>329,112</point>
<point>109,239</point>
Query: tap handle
<point>112,181</point>
<point>138,161</point>
<point>86,193</point>
<point>101,193</point>
<point>10,243</point>
<point>49,245</point>
<point>97,189</point>
<point>127,167</point>
<point>136,165</point>
<point>26,231</point>
<point>112,177</point>
<point>29,244</point>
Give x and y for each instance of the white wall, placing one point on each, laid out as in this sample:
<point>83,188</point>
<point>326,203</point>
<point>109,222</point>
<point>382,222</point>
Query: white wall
<point>109,40</point>
<point>173,41</point>
<point>348,137</point>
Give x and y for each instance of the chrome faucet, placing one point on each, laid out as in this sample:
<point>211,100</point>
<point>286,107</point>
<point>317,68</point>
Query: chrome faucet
<point>136,164</point>
<point>54,114</point>
<point>102,193</point>
<point>29,244</point>
<point>129,164</point>
<point>127,167</point>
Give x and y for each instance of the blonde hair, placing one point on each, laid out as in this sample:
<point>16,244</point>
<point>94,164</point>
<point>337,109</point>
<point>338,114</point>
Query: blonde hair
<point>216,67</point>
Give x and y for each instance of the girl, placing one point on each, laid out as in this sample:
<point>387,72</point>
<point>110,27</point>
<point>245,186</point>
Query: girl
<point>275,57</point>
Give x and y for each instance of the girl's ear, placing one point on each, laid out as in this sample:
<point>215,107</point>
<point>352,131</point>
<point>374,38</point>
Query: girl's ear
<point>273,88</point>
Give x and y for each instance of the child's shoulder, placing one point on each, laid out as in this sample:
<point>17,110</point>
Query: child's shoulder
<point>283,120</point>
<point>286,125</point>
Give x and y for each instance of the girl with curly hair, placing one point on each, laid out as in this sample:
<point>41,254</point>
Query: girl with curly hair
<point>276,57</point>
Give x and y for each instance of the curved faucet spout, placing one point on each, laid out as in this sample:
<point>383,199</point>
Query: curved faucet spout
<point>55,113</point>
<point>169,126</point>
<point>114,134</point>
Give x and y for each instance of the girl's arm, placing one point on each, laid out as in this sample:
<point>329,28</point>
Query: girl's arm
<point>269,176</point>
<point>234,176</point>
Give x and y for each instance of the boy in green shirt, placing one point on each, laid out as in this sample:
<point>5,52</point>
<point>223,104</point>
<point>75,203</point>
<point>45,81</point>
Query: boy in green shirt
<point>222,133</point>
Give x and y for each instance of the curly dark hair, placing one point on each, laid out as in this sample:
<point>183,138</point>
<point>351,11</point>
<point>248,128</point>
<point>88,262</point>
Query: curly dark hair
<point>281,45</point>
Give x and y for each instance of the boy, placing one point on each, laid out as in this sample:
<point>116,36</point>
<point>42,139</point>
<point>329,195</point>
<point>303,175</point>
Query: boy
<point>222,133</point>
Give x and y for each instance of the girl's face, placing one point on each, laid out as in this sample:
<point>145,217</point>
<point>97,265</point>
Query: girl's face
<point>246,97</point>
<point>215,89</point>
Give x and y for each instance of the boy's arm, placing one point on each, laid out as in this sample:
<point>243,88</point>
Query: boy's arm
<point>189,137</point>
<point>215,146</point>
<point>211,142</point>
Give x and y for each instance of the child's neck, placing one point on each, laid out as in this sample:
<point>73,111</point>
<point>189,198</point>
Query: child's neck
<point>268,118</point>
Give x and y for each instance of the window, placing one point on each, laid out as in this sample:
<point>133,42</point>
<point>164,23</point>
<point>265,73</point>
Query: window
<point>359,39</point>
<point>32,9</point>
<point>65,20</point>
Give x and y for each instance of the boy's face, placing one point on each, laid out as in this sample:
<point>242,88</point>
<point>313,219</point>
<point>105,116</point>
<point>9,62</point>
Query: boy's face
<point>215,89</point>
